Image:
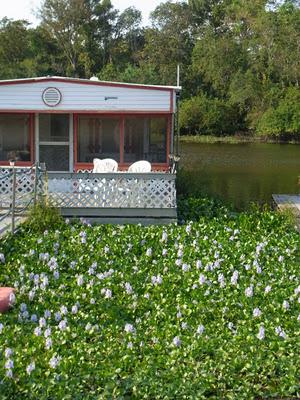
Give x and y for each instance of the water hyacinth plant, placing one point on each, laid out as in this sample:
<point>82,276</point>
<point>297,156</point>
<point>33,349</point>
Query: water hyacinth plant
<point>207,309</point>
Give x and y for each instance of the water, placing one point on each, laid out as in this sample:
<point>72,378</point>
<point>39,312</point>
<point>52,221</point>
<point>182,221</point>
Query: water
<point>243,173</point>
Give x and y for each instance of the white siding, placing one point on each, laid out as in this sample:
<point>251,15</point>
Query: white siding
<point>85,97</point>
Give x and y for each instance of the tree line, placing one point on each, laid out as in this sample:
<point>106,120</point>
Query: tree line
<point>239,59</point>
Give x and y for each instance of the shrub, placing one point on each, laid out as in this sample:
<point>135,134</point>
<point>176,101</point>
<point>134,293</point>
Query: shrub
<point>283,117</point>
<point>42,217</point>
<point>205,115</point>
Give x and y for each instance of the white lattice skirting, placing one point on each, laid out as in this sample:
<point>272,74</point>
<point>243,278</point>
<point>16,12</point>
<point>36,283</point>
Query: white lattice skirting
<point>113,190</point>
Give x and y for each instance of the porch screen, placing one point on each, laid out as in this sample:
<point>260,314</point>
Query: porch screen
<point>98,137</point>
<point>145,139</point>
<point>14,137</point>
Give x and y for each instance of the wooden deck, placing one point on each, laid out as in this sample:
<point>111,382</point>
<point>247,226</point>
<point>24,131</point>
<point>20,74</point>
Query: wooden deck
<point>289,202</point>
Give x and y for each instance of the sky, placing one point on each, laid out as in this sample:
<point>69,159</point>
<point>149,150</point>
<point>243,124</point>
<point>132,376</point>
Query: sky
<point>24,9</point>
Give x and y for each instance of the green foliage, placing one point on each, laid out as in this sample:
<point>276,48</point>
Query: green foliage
<point>203,310</point>
<point>195,208</point>
<point>42,217</point>
<point>284,117</point>
<point>204,115</point>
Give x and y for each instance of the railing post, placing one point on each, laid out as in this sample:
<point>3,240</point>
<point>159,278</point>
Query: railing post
<point>35,183</point>
<point>13,203</point>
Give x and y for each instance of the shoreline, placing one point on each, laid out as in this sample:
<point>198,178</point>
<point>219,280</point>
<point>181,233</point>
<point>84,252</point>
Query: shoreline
<point>235,139</point>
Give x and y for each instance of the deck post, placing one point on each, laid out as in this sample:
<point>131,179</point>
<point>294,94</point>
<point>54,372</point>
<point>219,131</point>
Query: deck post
<point>35,183</point>
<point>13,203</point>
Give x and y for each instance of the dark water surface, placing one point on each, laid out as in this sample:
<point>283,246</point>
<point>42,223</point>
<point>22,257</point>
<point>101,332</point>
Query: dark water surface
<point>243,173</point>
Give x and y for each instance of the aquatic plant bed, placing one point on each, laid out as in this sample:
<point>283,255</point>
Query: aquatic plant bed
<point>209,309</point>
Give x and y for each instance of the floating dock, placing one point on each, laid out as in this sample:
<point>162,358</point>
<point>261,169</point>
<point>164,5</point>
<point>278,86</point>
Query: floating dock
<point>289,202</point>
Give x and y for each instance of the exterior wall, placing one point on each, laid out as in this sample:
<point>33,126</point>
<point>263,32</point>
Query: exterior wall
<point>87,97</point>
<point>82,97</point>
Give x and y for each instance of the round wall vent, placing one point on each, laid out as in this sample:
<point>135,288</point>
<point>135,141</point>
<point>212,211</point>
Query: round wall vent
<point>51,96</point>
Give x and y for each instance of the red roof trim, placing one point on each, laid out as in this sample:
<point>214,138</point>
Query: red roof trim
<point>87,82</point>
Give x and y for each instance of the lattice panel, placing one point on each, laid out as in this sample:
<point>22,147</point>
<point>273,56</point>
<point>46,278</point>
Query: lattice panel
<point>120,192</point>
<point>25,185</point>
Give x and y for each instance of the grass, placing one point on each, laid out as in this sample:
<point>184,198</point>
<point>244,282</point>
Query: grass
<point>236,139</point>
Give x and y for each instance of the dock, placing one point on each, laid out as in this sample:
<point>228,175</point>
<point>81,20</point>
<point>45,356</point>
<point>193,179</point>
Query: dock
<point>291,203</point>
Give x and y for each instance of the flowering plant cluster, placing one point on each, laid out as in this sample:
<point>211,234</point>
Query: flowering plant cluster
<point>208,309</point>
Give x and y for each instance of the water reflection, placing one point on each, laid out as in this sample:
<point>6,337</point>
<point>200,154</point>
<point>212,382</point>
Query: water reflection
<point>241,173</point>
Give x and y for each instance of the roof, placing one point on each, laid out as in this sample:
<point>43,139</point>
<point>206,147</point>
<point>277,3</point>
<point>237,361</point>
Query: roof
<point>87,82</point>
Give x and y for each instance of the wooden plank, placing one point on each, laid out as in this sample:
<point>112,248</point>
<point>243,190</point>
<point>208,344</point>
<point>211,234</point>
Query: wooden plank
<point>120,212</point>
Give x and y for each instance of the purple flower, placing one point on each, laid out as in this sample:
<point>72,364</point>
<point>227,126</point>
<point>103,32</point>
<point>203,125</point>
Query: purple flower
<point>62,325</point>
<point>54,362</point>
<point>129,328</point>
<point>188,229</point>
<point>286,305</point>
<point>128,288</point>
<point>249,291</point>
<point>9,373</point>
<point>37,331</point>
<point>261,333</point>
<point>108,294</point>
<point>74,309</point>
<point>56,274</point>
<point>268,289</point>
<point>185,267</point>
<point>2,258</point>
<point>202,279</point>
<point>30,368</point>
<point>280,332</point>
<point>79,280</point>
<point>176,341</point>
<point>256,312</point>
<point>234,278</point>
<point>149,252</point>
<point>8,352</point>
<point>42,322</point>
<point>164,237</point>
<point>200,330</point>
<point>57,316</point>
<point>64,310</point>
<point>48,343</point>
<point>9,364</point>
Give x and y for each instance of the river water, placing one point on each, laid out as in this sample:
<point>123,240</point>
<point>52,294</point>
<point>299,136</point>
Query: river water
<point>239,174</point>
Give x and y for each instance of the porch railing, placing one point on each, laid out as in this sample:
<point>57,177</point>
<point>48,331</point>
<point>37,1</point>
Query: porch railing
<point>19,188</point>
<point>112,190</point>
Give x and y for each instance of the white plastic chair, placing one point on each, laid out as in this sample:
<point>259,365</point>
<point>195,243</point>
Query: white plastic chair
<point>105,165</point>
<point>140,166</point>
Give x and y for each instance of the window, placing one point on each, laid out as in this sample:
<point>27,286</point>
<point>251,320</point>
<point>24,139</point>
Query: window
<point>14,137</point>
<point>98,137</point>
<point>54,127</point>
<point>145,139</point>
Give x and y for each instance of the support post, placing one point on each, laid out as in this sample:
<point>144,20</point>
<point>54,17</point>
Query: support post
<point>35,183</point>
<point>13,203</point>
